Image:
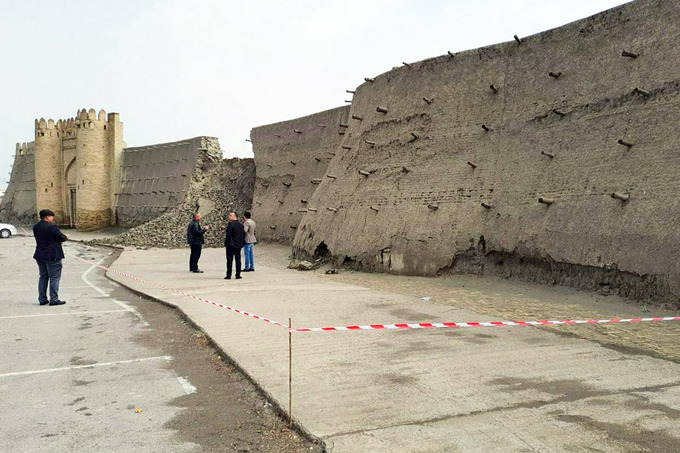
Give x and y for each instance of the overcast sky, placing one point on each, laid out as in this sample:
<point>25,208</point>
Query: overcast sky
<point>177,69</point>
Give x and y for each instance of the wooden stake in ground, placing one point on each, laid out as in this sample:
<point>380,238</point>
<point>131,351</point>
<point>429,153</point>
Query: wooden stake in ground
<point>290,374</point>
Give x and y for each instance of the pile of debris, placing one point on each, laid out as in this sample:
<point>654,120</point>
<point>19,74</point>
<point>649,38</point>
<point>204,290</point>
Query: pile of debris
<point>222,187</point>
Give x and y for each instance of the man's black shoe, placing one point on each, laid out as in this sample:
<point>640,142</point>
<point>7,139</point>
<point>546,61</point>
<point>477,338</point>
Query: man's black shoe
<point>238,276</point>
<point>197,271</point>
<point>44,303</point>
<point>227,278</point>
<point>59,302</point>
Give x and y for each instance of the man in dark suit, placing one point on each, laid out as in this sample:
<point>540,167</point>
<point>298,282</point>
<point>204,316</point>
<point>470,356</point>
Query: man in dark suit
<point>234,241</point>
<point>48,254</point>
<point>195,240</point>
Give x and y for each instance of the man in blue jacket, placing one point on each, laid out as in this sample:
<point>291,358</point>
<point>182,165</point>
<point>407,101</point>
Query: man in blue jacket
<point>195,240</point>
<point>48,254</point>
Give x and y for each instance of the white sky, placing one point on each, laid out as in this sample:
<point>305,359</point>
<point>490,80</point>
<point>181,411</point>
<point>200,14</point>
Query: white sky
<point>177,69</point>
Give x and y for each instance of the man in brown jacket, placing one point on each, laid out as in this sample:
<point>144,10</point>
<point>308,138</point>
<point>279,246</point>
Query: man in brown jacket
<point>249,227</point>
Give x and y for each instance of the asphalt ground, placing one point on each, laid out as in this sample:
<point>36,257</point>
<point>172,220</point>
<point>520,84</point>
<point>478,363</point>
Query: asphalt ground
<point>110,371</point>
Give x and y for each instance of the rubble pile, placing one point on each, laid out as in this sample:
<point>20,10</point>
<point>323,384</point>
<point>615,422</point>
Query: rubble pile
<point>217,187</point>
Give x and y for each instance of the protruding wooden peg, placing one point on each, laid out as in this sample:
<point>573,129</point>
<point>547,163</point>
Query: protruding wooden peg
<point>641,92</point>
<point>559,112</point>
<point>346,147</point>
<point>369,79</point>
<point>303,201</point>
<point>348,101</point>
<point>364,172</point>
<point>357,117</point>
<point>374,208</point>
<point>293,227</point>
<point>343,125</point>
<point>370,142</point>
<point>342,132</point>
<point>493,88</point>
<point>405,170</point>
<point>486,128</point>
<point>287,184</point>
<point>316,181</point>
<point>265,184</point>
<point>555,75</point>
<point>249,140</point>
<point>331,153</point>
<point>519,41</point>
<point>293,162</point>
<point>332,176</point>
<point>349,91</point>
<point>381,109</point>
<point>625,143</point>
<point>472,165</point>
<point>321,125</point>
<point>280,201</point>
<point>432,206</point>
<point>550,155</point>
<point>312,209</point>
<point>259,203</point>
<point>317,159</point>
<point>270,166</point>
<point>276,135</point>
<point>297,131</point>
<point>273,227</point>
<point>302,210</point>
<point>428,101</point>
<point>629,54</point>
<point>406,64</point>
<point>486,205</point>
<point>450,54</point>
<point>332,209</point>
<point>547,201</point>
<point>621,196</point>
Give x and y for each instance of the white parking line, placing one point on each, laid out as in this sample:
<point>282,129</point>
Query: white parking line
<point>64,314</point>
<point>35,290</point>
<point>188,387</point>
<point>77,367</point>
<point>105,294</point>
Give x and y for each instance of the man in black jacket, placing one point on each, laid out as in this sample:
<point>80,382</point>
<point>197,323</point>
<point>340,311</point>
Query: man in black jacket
<point>195,240</point>
<point>48,254</point>
<point>234,241</point>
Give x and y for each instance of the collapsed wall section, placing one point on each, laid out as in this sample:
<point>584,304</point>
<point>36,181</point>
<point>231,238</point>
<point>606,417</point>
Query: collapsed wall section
<point>291,157</point>
<point>221,186</point>
<point>18,205</point>
<point>551,159</point>
<point>157,178</point>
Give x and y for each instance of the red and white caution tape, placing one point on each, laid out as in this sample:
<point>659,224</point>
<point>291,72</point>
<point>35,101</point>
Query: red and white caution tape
<point>422,325</point>
<point>159,285</point>
<point>439,325</point>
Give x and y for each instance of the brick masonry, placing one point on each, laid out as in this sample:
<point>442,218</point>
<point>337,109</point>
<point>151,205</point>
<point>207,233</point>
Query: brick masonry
<point>289,159</point>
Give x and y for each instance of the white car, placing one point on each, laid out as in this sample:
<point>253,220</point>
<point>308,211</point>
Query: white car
<point>7,230</point>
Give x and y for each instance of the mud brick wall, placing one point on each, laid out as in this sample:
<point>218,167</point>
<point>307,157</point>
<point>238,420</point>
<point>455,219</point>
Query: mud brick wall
<point>503,160</point>
<point>18,205</point>
<point>291,157</point>
<point>156,178</point>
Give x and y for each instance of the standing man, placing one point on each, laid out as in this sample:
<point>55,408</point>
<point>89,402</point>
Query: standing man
<point>48,254</point>
<point>234,240</point>
<point>249,227</point>
<point>195,239</point>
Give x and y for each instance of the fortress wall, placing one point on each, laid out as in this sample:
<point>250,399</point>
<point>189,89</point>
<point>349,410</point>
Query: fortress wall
<point>287,163</point>
<point>156,178</point>
<point>18,205</point>
<point>419,210</point>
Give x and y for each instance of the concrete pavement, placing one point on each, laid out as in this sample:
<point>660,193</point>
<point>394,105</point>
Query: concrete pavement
<point>518,389</point>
